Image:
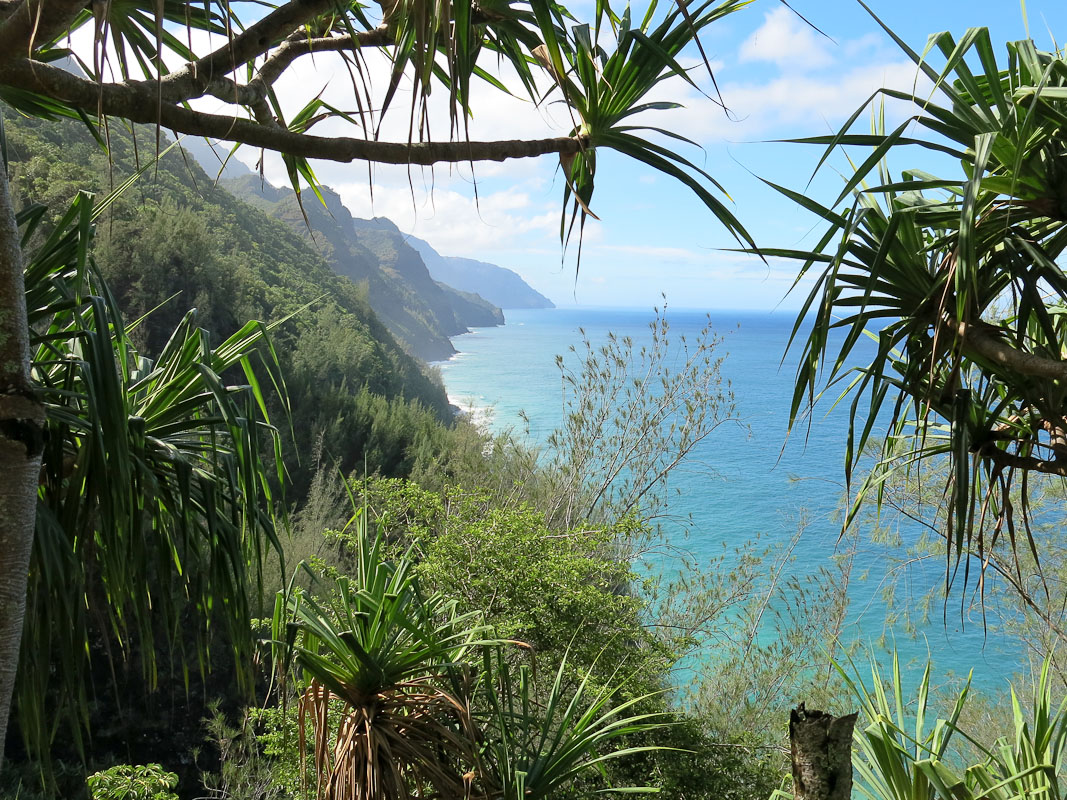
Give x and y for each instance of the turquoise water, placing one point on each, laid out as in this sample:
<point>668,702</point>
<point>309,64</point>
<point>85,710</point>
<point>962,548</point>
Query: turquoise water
<point>741,482</point>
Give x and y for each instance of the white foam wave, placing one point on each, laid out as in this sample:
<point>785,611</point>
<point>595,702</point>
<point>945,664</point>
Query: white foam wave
<point>473,408</point>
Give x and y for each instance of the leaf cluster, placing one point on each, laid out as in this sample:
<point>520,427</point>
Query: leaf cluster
<point>156,502</point>
<point>421,697</point>
<point>957,281</point>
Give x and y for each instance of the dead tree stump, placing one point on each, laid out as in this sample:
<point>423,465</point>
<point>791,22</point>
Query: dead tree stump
<point>821,747</point>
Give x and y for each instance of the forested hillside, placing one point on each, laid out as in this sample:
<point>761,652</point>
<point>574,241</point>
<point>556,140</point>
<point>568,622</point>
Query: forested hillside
<point>375,254</point>
<point>175,241</point>
<point>248,560</point>
<point>491,525</point>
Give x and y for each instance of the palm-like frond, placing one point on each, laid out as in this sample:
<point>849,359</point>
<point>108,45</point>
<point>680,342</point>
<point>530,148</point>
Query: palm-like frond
<point>137,33</point>
<point>899,755</point>
<point>407,698</point>
<point>539,745</point>
<point>156,506</point>
<point>957,280</point>
<point>603,71</point>
<point>604,89</point>
<point>376,662</point>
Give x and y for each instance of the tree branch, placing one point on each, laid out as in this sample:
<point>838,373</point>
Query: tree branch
<point>296,46</point>
<point>1003,458</point>
<point>979,339</point>
<point>138,102</point>
<point>248,45</point>
<point>254,93</point>
<point>25,25</point>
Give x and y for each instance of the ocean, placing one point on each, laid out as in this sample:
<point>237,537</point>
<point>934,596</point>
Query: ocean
<point>744,481</point>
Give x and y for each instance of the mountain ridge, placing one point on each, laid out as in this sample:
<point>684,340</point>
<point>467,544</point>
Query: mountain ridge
<point>499,285</point>
<point>175,240</point>
<point>423,304</point>
<point>399,288</point>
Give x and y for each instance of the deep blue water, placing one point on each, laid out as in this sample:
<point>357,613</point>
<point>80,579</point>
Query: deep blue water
<point>742,482</point>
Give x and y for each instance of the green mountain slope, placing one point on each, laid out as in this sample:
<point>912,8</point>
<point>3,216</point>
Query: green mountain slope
<point>176,241</point>
<point>475,310</point>
<point>375,254</point>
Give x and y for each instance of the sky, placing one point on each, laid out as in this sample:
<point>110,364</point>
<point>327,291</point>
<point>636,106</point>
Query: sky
<point>779,78</point>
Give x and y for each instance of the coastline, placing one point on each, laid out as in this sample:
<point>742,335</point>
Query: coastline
<point>465,405</point>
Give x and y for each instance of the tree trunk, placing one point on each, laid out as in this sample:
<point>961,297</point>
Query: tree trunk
<point>21,442</point>
<point>821,747</point>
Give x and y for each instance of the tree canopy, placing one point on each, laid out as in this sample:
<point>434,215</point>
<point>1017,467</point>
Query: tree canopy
<point>605,71</point>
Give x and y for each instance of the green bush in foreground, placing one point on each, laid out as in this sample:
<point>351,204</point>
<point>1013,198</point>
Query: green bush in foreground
<point>125,782</point>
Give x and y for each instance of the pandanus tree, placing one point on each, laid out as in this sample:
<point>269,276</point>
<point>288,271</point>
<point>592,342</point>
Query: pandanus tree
<point>602,72</point>
<point>155,500</point>
<point>408,697</point>
<point>959,280</point>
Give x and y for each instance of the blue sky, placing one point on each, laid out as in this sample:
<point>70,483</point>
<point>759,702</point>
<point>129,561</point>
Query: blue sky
<point>780,78</point>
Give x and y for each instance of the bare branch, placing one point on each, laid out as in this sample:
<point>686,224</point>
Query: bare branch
<point>138,102</point>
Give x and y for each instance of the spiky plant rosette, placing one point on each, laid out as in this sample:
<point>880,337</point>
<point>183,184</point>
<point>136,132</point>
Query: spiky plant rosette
<point>609,92</point>
<point>382,672</point>
<point>958,278</point>
<point>156,506</point>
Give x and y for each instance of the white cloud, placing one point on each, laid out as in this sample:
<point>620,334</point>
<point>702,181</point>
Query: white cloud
<point>788,41</point>
<point>454,223</point>
<point>792,104</point>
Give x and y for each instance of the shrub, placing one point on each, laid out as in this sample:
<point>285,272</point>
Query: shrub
<point>126,782</point>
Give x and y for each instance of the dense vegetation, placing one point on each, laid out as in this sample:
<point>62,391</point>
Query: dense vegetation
<point>175,241</point>
<point>265,559</point>
<point>485,514</point>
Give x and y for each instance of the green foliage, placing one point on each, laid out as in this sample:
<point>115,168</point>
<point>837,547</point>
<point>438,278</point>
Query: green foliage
<point>384,653</point>
<point>900,754</point>
<point>373,254</point>
<point>697,762</point>
<point>125,782</point>
<point>155,509</point>
<point>605,89</point>
<point>605,71</point>
<point>899,757</point>
<point>360,430</point>
<point>418,698</point>
<point>760,638</point>
<point>538,747</point>
<point>632,413</point>
<point>565,593</point>
<point>175,240</point>
<point>252,756</point>
<point>957,279</point>
<point>572,595</point>
<point>1021,598</point>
